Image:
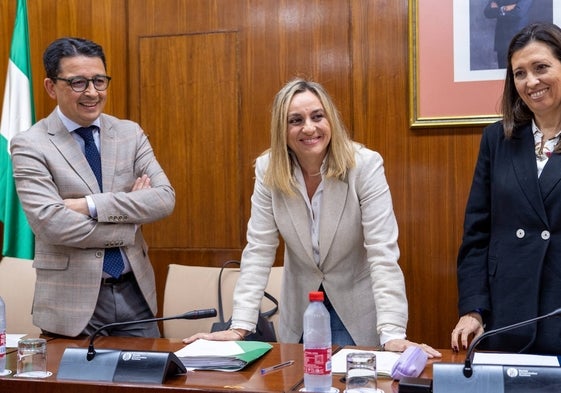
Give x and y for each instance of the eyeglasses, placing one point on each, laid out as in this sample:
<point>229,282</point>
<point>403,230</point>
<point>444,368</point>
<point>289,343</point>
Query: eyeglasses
<point>80,83</point>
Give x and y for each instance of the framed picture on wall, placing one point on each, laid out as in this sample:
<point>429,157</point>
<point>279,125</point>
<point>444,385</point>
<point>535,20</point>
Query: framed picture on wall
<point>457,59</point>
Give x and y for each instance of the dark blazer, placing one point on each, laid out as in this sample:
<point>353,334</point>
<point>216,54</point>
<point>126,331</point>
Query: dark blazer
<point>509,23</point>
<point>509,263</point>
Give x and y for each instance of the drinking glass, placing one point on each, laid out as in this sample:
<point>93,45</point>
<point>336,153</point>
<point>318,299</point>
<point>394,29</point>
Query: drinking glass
<point>361,373</point>
<point>32,358</point>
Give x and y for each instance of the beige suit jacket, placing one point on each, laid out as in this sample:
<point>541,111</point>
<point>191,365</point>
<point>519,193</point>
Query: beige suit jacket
<point>358,251</point>
<point>49,167</point>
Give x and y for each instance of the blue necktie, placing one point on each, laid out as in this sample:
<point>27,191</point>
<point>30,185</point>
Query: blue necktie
<point>112,261</point>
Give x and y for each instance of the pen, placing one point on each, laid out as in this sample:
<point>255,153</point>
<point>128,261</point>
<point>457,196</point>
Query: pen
<point>276,367</point>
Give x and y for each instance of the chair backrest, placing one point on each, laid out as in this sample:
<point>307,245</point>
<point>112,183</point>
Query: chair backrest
<point>17,285</point>
<point>196,287</point>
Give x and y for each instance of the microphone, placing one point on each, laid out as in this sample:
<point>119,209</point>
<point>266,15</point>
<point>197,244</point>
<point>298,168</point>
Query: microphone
<point>468,368</point>
<point>113,365</point>
<point>196,314</point>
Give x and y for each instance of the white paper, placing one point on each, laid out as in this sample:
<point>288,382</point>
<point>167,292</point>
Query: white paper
<point>221,355</point>
<point>515,359</point>
<point>203,347</point>
<point>12,339</point>
<point>384,361</point>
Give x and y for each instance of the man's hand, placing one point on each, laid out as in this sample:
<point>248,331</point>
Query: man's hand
<point>141,183</point>
<point>508,8</point>
<point>78,205</point>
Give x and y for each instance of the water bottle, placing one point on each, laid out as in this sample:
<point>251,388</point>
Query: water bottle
<point>2,336</point>
<point>317,345</point>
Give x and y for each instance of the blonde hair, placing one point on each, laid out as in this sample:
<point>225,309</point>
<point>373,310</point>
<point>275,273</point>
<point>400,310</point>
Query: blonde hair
<point>340,155</point>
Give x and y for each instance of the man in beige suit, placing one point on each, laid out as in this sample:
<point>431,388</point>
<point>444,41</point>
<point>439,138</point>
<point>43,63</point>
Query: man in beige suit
<point>87,182</point>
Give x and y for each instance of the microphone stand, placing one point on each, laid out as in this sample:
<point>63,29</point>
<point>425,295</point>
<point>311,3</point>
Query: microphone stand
<point>197,314</point>
<point>468,369</point>
<point>114,365</point>
<point>492,378</point>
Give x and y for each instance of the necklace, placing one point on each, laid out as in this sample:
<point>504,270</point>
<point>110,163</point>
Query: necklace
<point>544,147</point>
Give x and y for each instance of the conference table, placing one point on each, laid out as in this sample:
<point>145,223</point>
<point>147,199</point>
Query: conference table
<point>248,380</point>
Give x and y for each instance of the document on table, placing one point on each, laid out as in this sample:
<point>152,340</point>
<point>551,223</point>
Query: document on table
<point>12,339</point>
<point>515,359</point>
<point>384,361</point>
<point>221,355</point>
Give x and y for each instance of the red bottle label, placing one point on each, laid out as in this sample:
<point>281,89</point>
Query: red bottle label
<point>317,361</point>
<point>2,344</point>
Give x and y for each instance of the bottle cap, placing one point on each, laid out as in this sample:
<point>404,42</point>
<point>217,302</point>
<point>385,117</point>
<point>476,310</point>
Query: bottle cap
<point>316,296</point>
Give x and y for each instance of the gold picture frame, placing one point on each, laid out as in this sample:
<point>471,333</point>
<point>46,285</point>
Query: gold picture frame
<point>436,98</point>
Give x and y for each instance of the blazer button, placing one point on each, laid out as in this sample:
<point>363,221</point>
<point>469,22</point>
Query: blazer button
<point>520,233</point>
<point>546,235</point>
<point>99,254</point>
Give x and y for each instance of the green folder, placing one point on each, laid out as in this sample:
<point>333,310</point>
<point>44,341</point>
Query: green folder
<point>249,352</point>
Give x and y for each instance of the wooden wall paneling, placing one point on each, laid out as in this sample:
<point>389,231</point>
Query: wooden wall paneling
<point>195,129</point>
<point>356,48</point>
<point>184,78</point>
<point>431,226</point>
<point>192,79</point>
<point>152,18</point>
<point>275,41</point>
<point>101,21</point>
<point>7,15</point>
<point>429,170</point>
<point>259,24</point>
<point>282,40</point>
<point>189,101</point>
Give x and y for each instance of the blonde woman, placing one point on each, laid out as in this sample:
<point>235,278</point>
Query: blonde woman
<point>327,197</point>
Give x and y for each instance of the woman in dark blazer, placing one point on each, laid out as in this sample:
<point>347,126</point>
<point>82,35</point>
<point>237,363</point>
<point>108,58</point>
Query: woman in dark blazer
<point>509,263</point>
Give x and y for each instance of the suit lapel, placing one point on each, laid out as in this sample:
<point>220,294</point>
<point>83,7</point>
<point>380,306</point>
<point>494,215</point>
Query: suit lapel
<point>333,203</point>
<point>551,175</point>
<point>298,212</point>
<point>332,206</point>
<point>524,163</point>
<point>71,152</point>
<point>108,153</point>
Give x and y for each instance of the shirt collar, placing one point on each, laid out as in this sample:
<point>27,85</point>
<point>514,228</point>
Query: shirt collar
<point>72,125</point>
<point>296,164</point>
<point>538,133</point>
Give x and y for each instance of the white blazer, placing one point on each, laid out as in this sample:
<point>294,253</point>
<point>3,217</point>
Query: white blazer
<point>358,250</point>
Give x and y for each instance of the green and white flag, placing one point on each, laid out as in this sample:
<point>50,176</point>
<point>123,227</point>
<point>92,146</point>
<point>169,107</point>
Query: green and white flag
<point>18,115</point>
